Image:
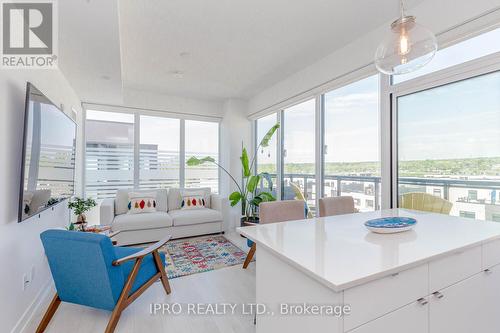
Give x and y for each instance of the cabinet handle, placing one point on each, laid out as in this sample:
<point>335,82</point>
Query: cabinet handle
<point>488,271</point>
<point>395,274</point>
<point>438,295</point>
<point>422,301</point>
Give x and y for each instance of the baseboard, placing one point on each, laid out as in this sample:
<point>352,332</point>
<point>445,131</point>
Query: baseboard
<point>41,299</point>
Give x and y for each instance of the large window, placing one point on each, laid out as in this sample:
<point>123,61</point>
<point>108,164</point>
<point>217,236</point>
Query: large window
<point>114,150</point>
<point>299,172</point>
<point>351,162</point>
<point>159,152</point>
<point>439,136</point>
<point>352,145</point>
<point>449,139</point>
<point>202,139</point>
<point>266,156</point>
<point>109,153</point>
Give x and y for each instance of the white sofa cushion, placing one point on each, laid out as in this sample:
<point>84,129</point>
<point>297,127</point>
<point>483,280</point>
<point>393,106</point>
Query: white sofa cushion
<point>142,221</point>
<point>194,216</point>
<point>193,202</point>
<point>140,203</point>
<point>122,199</point>
<point>175,196</point>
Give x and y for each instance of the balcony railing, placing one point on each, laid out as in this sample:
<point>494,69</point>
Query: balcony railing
<point>366,190</point>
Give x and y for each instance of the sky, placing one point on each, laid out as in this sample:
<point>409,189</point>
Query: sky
<point>459,120</point>
<point>351,126</point>
<point>201,137</point>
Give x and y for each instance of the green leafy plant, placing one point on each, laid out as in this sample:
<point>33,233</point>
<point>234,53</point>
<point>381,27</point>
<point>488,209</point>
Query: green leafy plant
<point>247,193</point>
<point>80,207</point>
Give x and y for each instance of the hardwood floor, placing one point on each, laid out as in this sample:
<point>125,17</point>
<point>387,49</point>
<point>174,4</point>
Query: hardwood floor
<point>227,285</point>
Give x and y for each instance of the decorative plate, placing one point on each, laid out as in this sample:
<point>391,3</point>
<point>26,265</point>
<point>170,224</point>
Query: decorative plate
<point>390,225</point>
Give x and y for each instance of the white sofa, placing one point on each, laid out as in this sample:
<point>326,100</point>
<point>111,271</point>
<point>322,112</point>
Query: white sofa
<point>168,219</point>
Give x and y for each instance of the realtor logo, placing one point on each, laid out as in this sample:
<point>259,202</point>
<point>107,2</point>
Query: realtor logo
<point>29,34</point>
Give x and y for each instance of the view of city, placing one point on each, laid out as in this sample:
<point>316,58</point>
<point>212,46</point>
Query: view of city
<point>472,185</point>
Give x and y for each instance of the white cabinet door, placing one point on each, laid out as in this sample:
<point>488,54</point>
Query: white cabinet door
<point>459,308</point>
<point>412,318</point>
<point>491,295</point>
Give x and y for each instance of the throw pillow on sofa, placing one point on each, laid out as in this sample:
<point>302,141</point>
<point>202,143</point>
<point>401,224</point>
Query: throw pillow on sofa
<point>193,202</point>
<point>141,203</point>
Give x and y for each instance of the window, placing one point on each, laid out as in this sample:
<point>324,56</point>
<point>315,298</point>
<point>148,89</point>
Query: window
<point>109,153</point>
<point>266,156</point>
<point>298,128</point>
<point>159,152</point>
<point>202,139</point>
<point>459,53</point>
<point>469,215</point>
<point>495,217</point>
<point>472,195</point>
<point>436,192</point>
<point>352,163</point>
<point>448,137</point>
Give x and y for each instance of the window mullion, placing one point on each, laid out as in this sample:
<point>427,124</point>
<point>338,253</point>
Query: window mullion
<point>385,135</point>
<point>182,157</point>
<point>319,144</point>
<point>137,149</point>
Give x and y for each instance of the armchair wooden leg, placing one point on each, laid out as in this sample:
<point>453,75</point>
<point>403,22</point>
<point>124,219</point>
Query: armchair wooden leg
<point>249,256</point>
<point>54,304</point>
<point>123,300</point>
<point>161,268</point>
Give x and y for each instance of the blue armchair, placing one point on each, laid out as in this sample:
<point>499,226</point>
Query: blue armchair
<point>88,270</point>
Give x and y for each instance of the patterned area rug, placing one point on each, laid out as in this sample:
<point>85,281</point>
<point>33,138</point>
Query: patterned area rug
<point>200,254</point>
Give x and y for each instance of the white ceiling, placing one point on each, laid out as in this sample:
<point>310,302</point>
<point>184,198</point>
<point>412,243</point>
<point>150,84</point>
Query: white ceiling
<point>235,48</point>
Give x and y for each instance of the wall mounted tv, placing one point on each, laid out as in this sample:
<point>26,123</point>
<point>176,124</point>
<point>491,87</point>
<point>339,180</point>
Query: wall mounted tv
<point>48,158</point>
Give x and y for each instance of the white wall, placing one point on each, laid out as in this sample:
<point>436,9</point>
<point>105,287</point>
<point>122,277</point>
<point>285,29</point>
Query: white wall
<point>437,15</point>
<point>20,246</point>
<point>156,101</point>
<point>235,131</point>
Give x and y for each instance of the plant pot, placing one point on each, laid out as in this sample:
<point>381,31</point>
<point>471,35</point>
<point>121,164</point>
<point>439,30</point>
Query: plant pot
<point>81,222</point>
<point>81,218</point>
<point>245,219</point>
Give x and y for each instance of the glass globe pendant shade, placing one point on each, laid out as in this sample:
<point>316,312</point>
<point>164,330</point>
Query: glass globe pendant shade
<point>408,47</point>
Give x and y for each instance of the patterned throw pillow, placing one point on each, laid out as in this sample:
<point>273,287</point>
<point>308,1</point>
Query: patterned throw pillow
<point>141,203</point>
<point>193,202</point>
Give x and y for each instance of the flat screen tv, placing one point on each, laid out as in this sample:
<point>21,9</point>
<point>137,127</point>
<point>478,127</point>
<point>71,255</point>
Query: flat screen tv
<point>48,157</point>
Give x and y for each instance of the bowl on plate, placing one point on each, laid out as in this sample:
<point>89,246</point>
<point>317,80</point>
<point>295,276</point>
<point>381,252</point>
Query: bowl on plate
<point>390,225</point>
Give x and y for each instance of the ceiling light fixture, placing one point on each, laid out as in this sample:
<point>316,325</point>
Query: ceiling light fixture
<point>409,46</point>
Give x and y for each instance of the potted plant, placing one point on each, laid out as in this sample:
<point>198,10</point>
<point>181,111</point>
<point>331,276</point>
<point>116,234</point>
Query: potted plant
<point>247,193</point>
<point>79,207</point>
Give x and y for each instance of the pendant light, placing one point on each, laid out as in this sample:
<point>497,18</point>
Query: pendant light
<point>409,46</point>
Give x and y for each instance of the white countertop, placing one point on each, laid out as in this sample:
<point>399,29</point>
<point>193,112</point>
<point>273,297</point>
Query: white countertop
<point>341,253</point>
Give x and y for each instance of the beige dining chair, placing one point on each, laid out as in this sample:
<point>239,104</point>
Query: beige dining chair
<point>336,206</point>
<point>277,211</point>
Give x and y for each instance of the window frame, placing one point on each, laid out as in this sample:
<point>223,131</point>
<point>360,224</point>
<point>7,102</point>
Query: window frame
<point>319,96</point>
<point>388,94</point>
<point>138,112</point>
<point>465,71</point>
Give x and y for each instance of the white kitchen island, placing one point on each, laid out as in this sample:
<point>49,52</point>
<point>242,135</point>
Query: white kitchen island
<point>441,277</point>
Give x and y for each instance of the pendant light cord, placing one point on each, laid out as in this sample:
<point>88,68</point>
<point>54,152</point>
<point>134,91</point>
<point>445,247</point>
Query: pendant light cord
<point>402,7</point>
